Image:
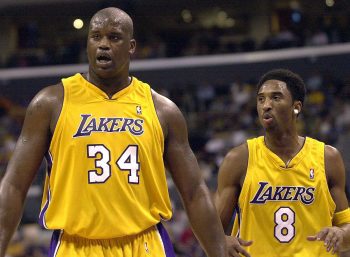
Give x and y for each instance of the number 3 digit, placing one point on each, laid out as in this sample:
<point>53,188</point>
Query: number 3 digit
<point>102,163</point>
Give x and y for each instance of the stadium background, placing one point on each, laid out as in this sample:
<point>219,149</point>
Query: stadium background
<point>205,55</point>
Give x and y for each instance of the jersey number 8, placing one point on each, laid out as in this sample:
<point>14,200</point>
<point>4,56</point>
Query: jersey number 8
<point>284,224</point>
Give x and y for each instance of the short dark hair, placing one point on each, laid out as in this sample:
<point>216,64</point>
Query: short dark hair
<point>295,83</point>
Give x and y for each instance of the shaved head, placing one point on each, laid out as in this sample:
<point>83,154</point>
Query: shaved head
<point>114,16</point>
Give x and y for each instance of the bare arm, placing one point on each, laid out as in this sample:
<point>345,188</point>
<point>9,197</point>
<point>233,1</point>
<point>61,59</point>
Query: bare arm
<point>185,172</point>
<point>31,146</point>
<point>335,171</point>
<point>230,180</point>
<point>336,238</point>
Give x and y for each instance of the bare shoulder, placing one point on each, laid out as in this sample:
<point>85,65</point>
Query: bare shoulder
<point>334,164</point>
<point>335,173</point>
<point>234,165</point>
<point>49,94</point>
<point>47,104</point>
<point>333,158</point>
<point>164,105</point>
<point>331,153</point>
<point>237,153</point>
<point>168,113</point>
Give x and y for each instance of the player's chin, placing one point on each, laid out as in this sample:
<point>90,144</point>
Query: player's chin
<point>266,125</point>
<point>269,127</point>
<point>105,73</point>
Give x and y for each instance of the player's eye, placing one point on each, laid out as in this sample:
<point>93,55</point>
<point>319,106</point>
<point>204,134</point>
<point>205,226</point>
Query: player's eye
<point>95,36</point>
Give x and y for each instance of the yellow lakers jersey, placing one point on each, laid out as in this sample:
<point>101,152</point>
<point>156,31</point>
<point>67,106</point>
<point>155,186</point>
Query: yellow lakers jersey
<point>279,207</point>
<point>105,176</point>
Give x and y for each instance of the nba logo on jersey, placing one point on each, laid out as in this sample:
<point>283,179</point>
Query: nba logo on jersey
<point>312,173</point>
<point>138,110</point>
<point>146,248</point>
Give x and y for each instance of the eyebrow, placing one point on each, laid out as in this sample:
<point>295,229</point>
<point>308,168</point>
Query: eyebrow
<point>114,32</point>
<point>271,93</point>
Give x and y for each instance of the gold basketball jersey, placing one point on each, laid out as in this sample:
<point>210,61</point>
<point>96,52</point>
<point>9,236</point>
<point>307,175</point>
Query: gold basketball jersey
<point>106,176</point>
<point>279,207</point>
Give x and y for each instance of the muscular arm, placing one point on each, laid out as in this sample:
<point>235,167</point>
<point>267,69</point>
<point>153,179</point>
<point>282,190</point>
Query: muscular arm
<point>185,172</point>
<point>335,172</point>
<point>230,179</point>
<point>336,238</point>
<point>31,146</point>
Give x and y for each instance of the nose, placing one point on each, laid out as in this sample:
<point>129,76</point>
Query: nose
<point>266,105</point>
<point>104,43</point>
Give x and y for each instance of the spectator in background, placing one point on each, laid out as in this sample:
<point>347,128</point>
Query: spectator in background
<point>318,38</point>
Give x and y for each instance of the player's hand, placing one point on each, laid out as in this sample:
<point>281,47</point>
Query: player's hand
<point>331,236</point>
<point>235,246</point>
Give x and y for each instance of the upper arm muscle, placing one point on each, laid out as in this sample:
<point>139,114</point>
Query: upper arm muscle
<point>335,172</point>
<point>231,175</point>
<point>32,143</point>
<point>178,154</point>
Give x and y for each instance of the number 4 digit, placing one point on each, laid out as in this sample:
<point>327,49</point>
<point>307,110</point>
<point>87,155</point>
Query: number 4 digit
<point>129,161</point>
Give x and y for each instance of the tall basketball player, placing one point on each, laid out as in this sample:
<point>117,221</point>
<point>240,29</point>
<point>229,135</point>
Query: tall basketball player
<point>105,136</point>
<point>287,191</point>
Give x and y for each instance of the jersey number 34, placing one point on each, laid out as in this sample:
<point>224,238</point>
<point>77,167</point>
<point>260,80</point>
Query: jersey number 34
<point>128,161</point>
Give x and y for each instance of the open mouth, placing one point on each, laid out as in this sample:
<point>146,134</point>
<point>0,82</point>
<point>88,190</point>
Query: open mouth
<point>103,58</point>
<point>267,117</point>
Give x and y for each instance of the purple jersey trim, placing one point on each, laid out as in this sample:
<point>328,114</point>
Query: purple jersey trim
<point>237,215</point>
<point>49,162</point>
<point>168,246</point>
<point>42,223</point>
<point>55,243</point>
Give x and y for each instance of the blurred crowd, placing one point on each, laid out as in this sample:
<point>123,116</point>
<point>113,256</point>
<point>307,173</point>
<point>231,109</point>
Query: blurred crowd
<point>32,52</point>
<point>219,117</point>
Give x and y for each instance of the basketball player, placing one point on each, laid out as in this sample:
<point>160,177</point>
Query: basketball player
<point>288,190</point>
<point>104,135</point>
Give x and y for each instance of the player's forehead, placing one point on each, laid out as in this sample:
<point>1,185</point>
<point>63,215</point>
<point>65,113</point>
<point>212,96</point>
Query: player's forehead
<point>271,86</point>
<point>103,21</point>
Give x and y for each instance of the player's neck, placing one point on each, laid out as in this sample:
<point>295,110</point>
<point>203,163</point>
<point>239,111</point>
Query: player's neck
<point>286,146</point>
<point>111,85</point>
<point>281,140</point>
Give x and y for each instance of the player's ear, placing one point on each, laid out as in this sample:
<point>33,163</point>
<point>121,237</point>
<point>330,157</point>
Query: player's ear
<point>132,46</point>
<point>297,105</point>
